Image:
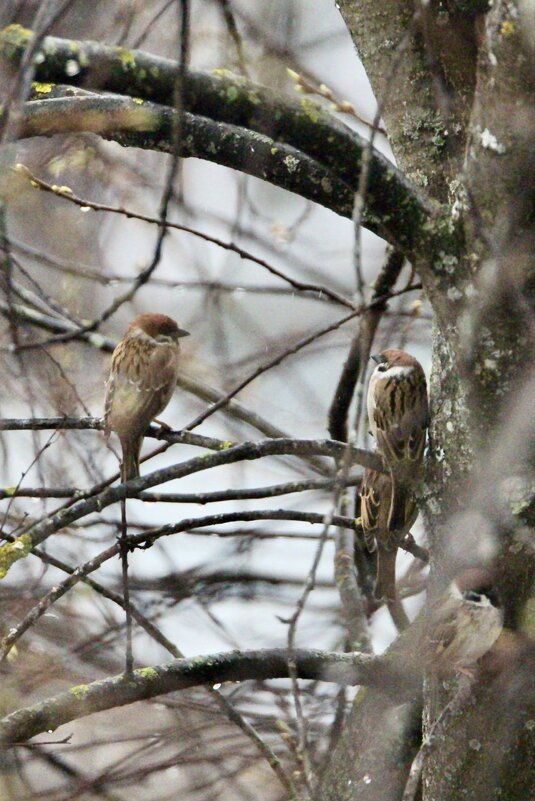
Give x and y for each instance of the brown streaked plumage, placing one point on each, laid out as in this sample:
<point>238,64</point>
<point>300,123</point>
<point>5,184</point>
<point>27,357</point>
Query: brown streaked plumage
<point>143,376</point>
<point>462,624</point>
<point>399,416</point>
<point>375,501</point>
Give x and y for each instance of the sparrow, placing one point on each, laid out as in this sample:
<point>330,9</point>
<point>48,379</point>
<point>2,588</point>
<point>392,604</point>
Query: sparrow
<point>399,416</point>
<point>143,376</point>
<point>462,624</point>
<point>375,502</point>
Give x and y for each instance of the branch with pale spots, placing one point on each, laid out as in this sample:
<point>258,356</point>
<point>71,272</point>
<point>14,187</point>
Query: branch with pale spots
<point>180,674</point>
<point>233,116</point>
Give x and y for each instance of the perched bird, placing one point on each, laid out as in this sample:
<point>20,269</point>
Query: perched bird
<point>375,502</point>
<point>462,624</point>
<point>398,415</point>
<point>143,376</point>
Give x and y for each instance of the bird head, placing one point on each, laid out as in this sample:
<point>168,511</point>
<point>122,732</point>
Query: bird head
<point>394,362</point>
<point>157,326</point>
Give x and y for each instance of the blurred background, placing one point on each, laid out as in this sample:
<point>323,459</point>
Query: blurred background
<point>207,590</point>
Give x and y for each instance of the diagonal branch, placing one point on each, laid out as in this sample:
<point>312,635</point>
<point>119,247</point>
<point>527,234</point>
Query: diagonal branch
<point>427,237</point>
<point>19,547</point>
<point>37,533</point>
<point>149,126</point>
<point>190,384</point>
<point>67,194</point>
<point>180,674</point>
<point>291,143</point>
<point>227,100</point>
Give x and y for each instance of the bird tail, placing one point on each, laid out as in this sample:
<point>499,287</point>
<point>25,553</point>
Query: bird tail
<point>385,583</point>
<point>397,518</point>
<point>130,463</point>
<point>398,614</point>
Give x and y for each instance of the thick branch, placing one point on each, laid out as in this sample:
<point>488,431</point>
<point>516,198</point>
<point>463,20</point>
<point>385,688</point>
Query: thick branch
<point>219,95</point>
<point>235,118</point>
<point>426,236</point>
<point>181,674</point>
<point>393,211</point>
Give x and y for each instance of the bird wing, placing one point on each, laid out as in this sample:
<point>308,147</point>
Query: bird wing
<point>405,439</point>
<point>369,511</point>
<point>157,384</point>
<point>162,369</point>
<point>399,445</point>
<point>376,499</point>
<point>442,628</point>
<point>144,385</point>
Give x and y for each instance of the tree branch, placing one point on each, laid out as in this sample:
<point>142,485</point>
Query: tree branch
<point>67,194</point>
<point>186,382</point>
<point>97,424</point>
<point>181,674</point>
<point>37,533</point>
<point>391,211</point>
<point>216,496</point>
<point>219,95</point>
<point>294,144</point>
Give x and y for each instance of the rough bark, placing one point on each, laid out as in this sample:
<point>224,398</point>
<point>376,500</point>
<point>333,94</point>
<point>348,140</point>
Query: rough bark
<point>427,136</point>
<point>478,491</point>
<point>477,497</point>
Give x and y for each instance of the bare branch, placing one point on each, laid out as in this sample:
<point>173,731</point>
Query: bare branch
<point>37,533</point>
<point>296,145</point>
<point>191,497</point>
<point>220,96</point>
<point>67,194</point>
<point>180,674</point>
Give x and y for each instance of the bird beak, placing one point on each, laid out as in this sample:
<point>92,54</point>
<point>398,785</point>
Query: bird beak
<point>182,333</point>
<point>376,357</point>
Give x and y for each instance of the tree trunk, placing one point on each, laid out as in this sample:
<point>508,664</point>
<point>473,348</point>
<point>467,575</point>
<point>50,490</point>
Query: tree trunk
<point>477,498</point>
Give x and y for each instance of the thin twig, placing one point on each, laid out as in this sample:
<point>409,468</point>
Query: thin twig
<point>147,538</point>
<point>160,638</point>
<point>267,366</point>
<point>186,382</point>
<point>123,554</point>
<point>141,38</point>
<point>292,663</point>
<point>66,193</point>
<point>245,451</point>
<point>234,34</point>
<point>202,498</point>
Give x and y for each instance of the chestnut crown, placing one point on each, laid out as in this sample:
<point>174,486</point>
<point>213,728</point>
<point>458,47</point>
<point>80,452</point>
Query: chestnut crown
<point>155,325</point>
<point>394,357</point>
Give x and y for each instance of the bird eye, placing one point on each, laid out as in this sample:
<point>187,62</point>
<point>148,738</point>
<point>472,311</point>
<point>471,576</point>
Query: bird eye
<point>382,368</point>
<point>473,595</point>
